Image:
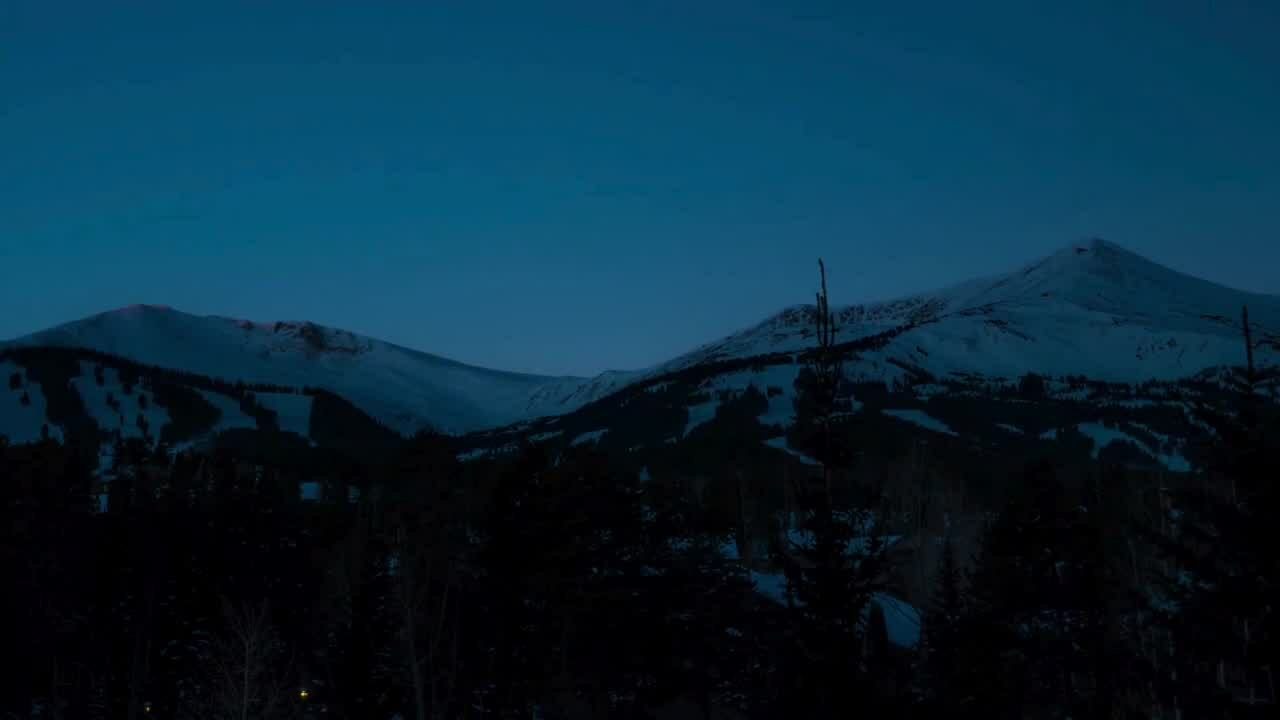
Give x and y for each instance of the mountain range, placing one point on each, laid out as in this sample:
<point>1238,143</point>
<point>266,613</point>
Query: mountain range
<point>1090,310</point>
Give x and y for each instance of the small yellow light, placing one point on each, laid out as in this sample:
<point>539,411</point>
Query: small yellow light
<point>303,693</point>
<point>146,707</point>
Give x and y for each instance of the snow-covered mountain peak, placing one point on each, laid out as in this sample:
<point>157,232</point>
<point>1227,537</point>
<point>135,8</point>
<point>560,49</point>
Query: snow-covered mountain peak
<point>406,389</point>
<point>1091,308</point>
<point>1103,278</point>
<point>139,308</point>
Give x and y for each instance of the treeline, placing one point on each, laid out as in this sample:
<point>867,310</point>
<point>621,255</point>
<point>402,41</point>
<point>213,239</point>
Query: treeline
<point>209,588</point>
<point>66,357</point>
<point>489,589</point>
<point>1114,592</point>
<point>53,368</point>
<point>334,420</point>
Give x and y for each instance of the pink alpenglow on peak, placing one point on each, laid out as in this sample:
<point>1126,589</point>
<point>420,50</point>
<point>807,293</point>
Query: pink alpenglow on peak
<point>143,307</point>
<point>407,390</point>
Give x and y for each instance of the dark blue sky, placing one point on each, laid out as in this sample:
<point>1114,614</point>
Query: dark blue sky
<point>565,187</point>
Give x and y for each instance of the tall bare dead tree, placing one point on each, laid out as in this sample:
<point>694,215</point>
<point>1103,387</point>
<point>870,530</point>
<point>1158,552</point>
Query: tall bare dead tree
<point>426,596</point>
<point>827,368</point>
<point>250,672</point>
<point>1250,377</point>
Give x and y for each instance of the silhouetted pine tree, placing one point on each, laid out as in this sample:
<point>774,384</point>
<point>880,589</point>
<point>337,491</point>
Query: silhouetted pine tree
<point>942,650</point>
<point>45,524</point>
<point>427,564</point>
<point>1040,633</point>
<point>837,566</point>
<point>700,635</point>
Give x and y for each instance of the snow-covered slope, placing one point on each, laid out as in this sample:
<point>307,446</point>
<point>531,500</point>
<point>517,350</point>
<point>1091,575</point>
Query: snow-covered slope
<point>1093,309</point>
<point>113,409</point>
<point>407,390</point>
<point>22,408</point>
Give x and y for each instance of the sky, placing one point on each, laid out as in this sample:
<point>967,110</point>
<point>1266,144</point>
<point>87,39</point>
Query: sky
<point>568,187</point>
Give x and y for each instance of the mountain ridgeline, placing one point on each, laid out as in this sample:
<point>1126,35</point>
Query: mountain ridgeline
<point>1089,319</point>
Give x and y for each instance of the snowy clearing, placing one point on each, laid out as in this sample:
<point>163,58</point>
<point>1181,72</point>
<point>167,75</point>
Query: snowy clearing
<point>1103,436</point>
<point>921,418</point>
<point>780,443</point>
<point>902,620</point>
<point>231,417</point>
<point>588,437</point>
<point>700,414</point>
<point>125,420</point>
<point>18,421</point>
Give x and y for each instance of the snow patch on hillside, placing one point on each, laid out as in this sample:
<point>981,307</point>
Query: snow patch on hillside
<point>775,382</point>
<point>1190,412</point>
<point>780,376</point>
<point>483,453</point>
<point>1103,436</point>
<point>772,585</point>
<point>1173,461</point>
<point>21,423</point>
<point>231,417</point>
<point>902,620</point>
<point>921,418</point>
<point>780,443</point>
<point>125,420</point>
<point>1132,404</point>
<point>588,437</point>
<point>924,391</point>
<point>700,414</point>
<point>781,411</point>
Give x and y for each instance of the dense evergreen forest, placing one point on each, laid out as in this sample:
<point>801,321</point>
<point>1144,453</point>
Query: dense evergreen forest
<point>389,579</point>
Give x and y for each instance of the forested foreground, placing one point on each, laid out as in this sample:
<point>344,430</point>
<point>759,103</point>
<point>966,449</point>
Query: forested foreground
<point>230,585</point>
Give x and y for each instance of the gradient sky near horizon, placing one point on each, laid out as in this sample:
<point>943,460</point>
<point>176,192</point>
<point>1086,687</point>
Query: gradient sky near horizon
<point>564,187</point>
